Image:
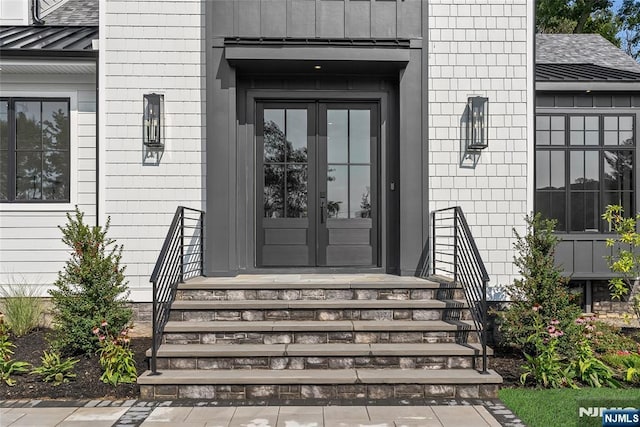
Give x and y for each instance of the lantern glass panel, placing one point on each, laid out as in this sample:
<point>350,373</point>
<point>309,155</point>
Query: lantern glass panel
<point>477,135</point>
<point>152,119</point>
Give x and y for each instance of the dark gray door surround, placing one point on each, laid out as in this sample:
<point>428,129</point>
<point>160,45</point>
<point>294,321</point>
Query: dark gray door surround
<point>368,51</point>
<point>317,184</point>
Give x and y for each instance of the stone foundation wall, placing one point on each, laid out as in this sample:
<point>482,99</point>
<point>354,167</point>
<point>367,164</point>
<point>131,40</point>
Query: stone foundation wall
<point>604,306</point>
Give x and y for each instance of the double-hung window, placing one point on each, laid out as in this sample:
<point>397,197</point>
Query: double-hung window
<point>584,162</point>
<point>34,150</point>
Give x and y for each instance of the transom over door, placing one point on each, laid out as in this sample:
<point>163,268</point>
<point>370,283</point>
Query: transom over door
<point>317,184</point>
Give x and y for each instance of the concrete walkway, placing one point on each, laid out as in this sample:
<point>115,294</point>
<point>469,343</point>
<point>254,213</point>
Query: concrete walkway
<point>202,414</point>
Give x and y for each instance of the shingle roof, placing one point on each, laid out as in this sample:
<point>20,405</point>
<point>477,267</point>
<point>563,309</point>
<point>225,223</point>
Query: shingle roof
<point>73,12</point>
<point>46,5</point>
<point>582,49</point>
<point>583,72</point>
<point>48,39</point>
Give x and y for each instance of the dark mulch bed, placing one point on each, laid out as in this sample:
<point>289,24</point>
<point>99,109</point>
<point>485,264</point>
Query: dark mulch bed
<point>508,363</point>
<point>87,384</point>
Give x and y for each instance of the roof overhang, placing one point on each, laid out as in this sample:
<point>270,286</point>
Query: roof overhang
<point>295,56</point>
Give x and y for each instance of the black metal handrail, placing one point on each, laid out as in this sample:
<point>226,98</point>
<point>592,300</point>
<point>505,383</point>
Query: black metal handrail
<point>181,258</point>
<point>454,253</point>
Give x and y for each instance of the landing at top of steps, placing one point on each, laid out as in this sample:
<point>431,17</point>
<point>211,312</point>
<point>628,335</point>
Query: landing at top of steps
<point>307,281</point>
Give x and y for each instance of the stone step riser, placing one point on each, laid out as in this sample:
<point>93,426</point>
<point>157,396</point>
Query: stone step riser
<point>320,315</point>
<point>329,337</point>
<point>318,294</point>
<point>315,393</point>
<point>334,362</point>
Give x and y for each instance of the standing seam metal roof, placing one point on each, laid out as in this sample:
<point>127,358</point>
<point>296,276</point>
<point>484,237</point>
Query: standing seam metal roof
<point>48,38</point>
<point>582,72</point>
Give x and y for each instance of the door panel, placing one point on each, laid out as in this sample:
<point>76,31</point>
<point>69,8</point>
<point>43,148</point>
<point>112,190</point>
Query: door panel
<point>285,135</point>
<point>317,184</point>
<point>347,184</point>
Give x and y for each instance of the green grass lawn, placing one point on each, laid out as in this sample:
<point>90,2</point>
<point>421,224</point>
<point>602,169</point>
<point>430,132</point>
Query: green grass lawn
<point>559,407</point>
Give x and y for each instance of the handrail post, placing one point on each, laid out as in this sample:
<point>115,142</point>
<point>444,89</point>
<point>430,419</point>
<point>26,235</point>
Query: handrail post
<point>181,234</point>
<point>455,245</point>
<point>201,243</point>
<point>154,347</point>
<point>484,327</point>
<point>433,239</point>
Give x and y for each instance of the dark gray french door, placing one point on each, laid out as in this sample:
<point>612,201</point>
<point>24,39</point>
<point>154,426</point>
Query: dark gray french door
<point>317,184</point>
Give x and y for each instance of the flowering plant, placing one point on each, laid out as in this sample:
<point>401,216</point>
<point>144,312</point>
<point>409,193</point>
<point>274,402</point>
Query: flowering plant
<point>544,364</point>
<point>116,358</point>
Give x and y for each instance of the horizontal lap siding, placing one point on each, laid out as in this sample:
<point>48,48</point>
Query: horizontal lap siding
<point>151,46</point>
<point>31,250</point>
<point>480,48</point>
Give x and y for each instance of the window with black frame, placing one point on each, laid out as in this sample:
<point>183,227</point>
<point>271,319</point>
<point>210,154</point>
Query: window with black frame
<point>584,162</point>
<point>35,163</point>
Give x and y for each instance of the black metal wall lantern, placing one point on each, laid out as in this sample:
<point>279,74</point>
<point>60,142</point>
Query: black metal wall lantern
<point>478,123</point>
<point>152,120</point>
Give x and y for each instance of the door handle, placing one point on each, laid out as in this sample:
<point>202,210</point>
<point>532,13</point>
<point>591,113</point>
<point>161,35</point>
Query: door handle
<point>322,210</point>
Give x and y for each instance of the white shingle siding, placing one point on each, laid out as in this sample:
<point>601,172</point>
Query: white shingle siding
<point>480,48</point>
<point>31,249</point>
<point>151,46</point>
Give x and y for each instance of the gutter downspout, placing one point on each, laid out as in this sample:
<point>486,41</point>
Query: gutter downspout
<point>96,47</point>
<point>35,12</point>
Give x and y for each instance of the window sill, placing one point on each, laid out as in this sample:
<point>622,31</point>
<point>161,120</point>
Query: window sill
<point>584,235</point>
<point>37,207</point>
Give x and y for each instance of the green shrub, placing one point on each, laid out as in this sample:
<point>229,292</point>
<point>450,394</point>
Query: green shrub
<point>8,366</point>
<point>54,370</point>
<point>624,259</point>
<point>540,293</point>
<point>90,289</point>
<point>626,362</point>
<point>116,358</point>
<point>608,339</point>
<point>22,306</point>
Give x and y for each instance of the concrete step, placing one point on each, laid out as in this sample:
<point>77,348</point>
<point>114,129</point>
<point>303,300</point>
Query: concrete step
<point>296,292</point>
<point>318,287</point>
<point>312,385</point>
<point>311,332</point>
<point>312,281</point>
<point>328,325</point>
<point>317,356</point>
<point>318,350</point>
<point>316,304</point>
<point>306,310</point>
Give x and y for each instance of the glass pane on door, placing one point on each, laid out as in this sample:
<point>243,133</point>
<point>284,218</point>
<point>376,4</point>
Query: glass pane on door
<point>349,167</point>
<point>285,163</point>
<point>349,235</point>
